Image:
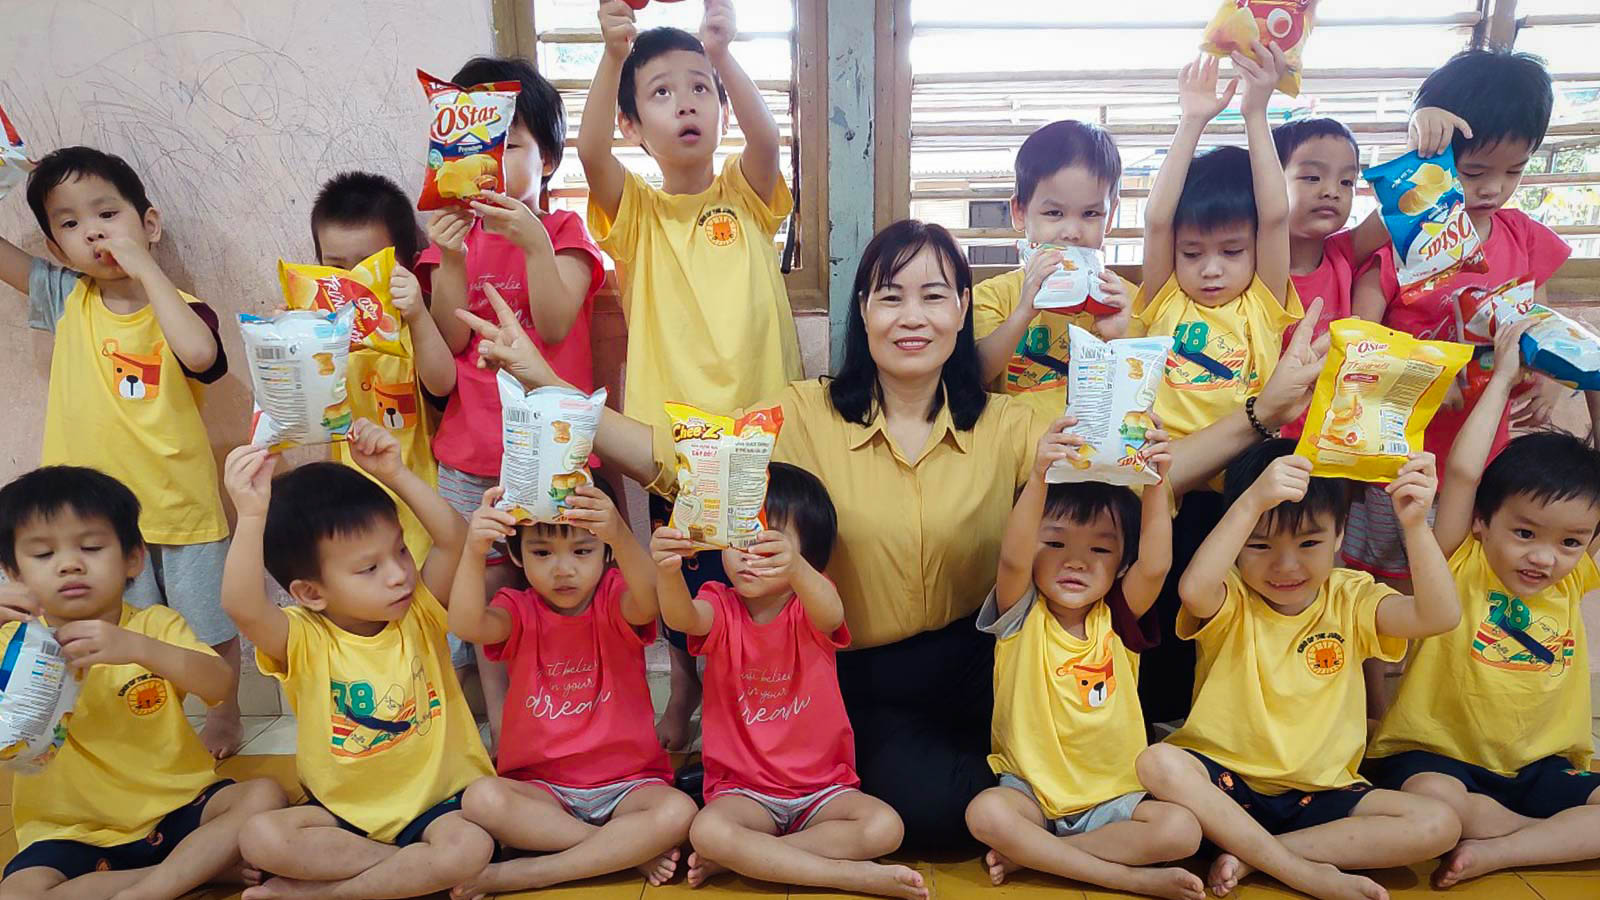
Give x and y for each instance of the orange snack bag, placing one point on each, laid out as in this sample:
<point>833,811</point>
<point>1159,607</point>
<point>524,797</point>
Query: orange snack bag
<point>466,139</point>
<point>722,473</point>
<point>366,287</point>
<point>1240,23</point>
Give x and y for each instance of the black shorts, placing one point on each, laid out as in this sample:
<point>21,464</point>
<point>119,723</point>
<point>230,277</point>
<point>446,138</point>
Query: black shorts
<point>1290,810</point>
<point>74,859</point>
<point>411,833</point>
<point>1538,791</point>
<point>706,566</point>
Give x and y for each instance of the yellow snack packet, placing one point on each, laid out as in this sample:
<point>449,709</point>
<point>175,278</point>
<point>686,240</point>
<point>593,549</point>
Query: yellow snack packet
<point>722,473</point>
<point>366,287</point>
<point>1377,393</point>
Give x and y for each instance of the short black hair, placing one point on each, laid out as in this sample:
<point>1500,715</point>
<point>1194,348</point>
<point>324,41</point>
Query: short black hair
<point>46,491</point>
<point>316,501</point>
<point>71,163</point>
<point>1503,95</point>
<point>1545,467</point>
<point>1325,496</point>
<point>1066,143</point>
<point>797,499</point>
<point>364,198</point>
<point>1082,502</point>
<point>539,106</point>
<point>1288,136</point>
<point>561,529</point>
<point>649,44</point>
<point>1218,191</point>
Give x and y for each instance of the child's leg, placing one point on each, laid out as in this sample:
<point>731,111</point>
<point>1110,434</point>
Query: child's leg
<point>223,732</point>
<point>310,856</point>
<point>1572,835</point>
<point>831,851</point>
<point>1481,816</point>
<point>42,883</point>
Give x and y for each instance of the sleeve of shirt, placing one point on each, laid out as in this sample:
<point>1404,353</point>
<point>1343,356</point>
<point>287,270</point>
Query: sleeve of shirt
<point>427,606</point>
<point>567,235</point>
<point>1341,245</point>
<point>49,286</point>
<point>306,638</point>
<point>1009,623</point>
<point>620,237</point>
<point>1279,315</point>
<point>771,214</point>
<point>1546,249</point>
<point>1363,595</point>
<point>513,602</point>
<point>219,366</point>
<point>608,598</point>
<point>1233,594</point>
<point>1137,634</point>
<point>719,596</point>
<point>427,261</point>
<point>1152,310</point>
<point>992,304</point>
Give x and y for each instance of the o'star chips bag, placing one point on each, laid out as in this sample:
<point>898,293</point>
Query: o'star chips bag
<point>1476,319</point>
<point>37,693</point>
<point>466,140</point>
<point>365,288</point>
<point>1557,345</point>
<point>547,434</point>
<point>297,363</point>
<point>722,473</point>
<point>14,165</point>
<point>1073,287</point>
<point>1240,23</point>
<point>1111,386</point>
<point>1426,214</point>
<point>1377,393</point>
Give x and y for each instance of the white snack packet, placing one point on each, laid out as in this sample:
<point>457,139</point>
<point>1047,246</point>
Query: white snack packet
<point>1111,387</point>
<point>37,693</point>
<point>297,366</point>
<point>1072,286</point>
<point>14,164</point>
<point>547,435</point>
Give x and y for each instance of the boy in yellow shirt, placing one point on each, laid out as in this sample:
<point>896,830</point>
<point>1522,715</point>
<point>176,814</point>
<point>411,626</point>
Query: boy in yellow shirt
<point>131,805</point>
<point>1267,759</point>
<point>386,743</point>
<point>128,371</point>
<point>1493,716</point>
<point>1076,573</point>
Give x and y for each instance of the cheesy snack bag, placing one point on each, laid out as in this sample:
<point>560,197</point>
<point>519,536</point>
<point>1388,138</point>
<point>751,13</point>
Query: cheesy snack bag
<point>37,692</point>
<point>1426,215</point>
<point>547,434</point>
<point>14,165</point>
<point>297,363</point>
<point>1377,393</point>
<point>1240,23</point>
<point>366,288</point>
<point>1111,387</point>
<point>466,140</point>
<point>722,473</point>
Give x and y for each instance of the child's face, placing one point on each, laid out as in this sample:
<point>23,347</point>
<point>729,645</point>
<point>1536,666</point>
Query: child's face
<point>736,563</point>
<point>524,165</point>
<point>1532,545</point>
<point>1322,185</point>
<point>1490,174</point>
<point>367,577</point>
<point>1073,206</point>
<point>85,211</point>
<point>680,113</point>
<point>563,565</point>
<point>1215,265</point>
<point>1077,563</point>
<point>1288,569</point>
<point>912,322</point>
<point>74,565</point>
<point>345,245</point>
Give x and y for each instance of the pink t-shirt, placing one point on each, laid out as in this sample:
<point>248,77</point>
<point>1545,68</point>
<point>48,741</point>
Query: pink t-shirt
<point>772,719</point>
<point>1517,247</point>
<point>469,435</point>
<point>1332,281</point>
<point>578,710</point>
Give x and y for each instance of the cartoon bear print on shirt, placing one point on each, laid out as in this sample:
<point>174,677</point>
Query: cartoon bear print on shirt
<point>137,376</point>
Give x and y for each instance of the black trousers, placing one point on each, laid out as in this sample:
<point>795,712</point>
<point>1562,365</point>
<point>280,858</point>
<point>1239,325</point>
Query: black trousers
<point>1166,672</point>
<point>920,709</point>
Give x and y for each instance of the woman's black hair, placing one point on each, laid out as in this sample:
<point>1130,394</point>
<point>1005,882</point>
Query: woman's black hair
<point>854,392</point>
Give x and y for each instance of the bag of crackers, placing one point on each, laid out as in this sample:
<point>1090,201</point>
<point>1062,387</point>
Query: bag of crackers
<point>14,165</point>
<point>1238,24</point>
<point>722,473</point>
<point>466,139</point>
<point>547,434</point>
<point>1425,212</point>
<point>1111,388</point>
<point>376,325</point>
<point>1075,285</point>
<point>37,693</point>
<point>297,362</point>
<point>1377,393</point>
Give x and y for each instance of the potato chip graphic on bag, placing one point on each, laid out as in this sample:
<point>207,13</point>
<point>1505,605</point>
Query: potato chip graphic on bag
<point>377,323</point>
<point>1425,212</point>
<point>1240,23</point>
<point>546,434</point>
<point>297,362</point>
<point>466,139</point>
<point>1113,412</point>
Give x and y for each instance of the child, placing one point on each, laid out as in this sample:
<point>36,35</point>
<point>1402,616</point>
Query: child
<point>386,742</point>
<point>1067,722</point>
<point>503,242</point>
<point>782,796</point>
<point>1272,745</point>
<point>582,777</point>
<point>1493,717</point>
<point>1067,177</point>
<point>131,806</point>
<point>132,356</point>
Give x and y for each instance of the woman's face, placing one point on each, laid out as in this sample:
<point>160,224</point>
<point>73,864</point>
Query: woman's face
<point>912,321</point>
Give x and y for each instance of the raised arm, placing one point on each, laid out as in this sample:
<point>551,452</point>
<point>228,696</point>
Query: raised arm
<point>448,231</point>
<point>1367,238</point>
<point>1266,170</point>
<point>191,339</point>
<point>679,609</point>
<point>593,510</point>
<point>247,475</point>
<point>1435,608</point>
<point>430,355</point>
<point>1204,584</point>
<point>774,553</point>
<point>377,451</point>
<point>760,158</point>
<point>559,281</point>
<point>1367,300</point>
<point>1145,578</point>
<point>472,618</point>
<point>1470,452</point>
<point>15,264</point>
<point>1020,542</point>
<point>597,130</point>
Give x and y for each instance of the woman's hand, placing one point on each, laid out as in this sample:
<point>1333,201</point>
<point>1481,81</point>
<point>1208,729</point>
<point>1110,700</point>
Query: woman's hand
<point>1288,392</point>
<point>505,345</point>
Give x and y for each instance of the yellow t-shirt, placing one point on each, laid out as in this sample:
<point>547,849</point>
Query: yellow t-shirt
<point>1067,718</point>
<point>1280,699</point>
<point>1029,375</point>
<point>130,758</point>
<point>1478,694</point>
<point>1221,355</point>
<point>384,731</point>
<point>385,389</point>
<point>708,314</point>
<point>119,401</point>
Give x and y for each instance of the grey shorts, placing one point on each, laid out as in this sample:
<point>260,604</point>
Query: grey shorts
<point>187,578</point>
<point>1117,809</point>
<point>790,813</point>
<point>595,805</point>
<point>464,492</point>
<point>1373,541</point>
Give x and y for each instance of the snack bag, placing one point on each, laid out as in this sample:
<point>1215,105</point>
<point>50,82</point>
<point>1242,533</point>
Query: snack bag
<point>1476,308</point>
<point>1426,215</point>
<point>1240,23</point>
<point>14,165</point>
<point>1377,393</point>
<point>547,434</point>
<point>722,473</point>
<point>1111,386</point>
<point>297,363</point>
<point>37,693</point>
<point>366,287</point>
<point>1555,344</point>
<point>1075,287</point>
<point>466,139</point>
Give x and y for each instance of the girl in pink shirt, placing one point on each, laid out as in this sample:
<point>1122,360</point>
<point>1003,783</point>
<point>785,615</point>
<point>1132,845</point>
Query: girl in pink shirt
<point>582,778</point>
<point>778,749</point>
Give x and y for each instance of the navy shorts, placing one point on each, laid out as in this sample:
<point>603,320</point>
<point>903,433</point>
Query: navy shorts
<point>1290,810</point>
<point>74,859</point>
<point>410,834</point>
<point>706,566</point>
<point>1539,791</point>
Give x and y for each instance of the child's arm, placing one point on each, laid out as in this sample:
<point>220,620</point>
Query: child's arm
<point>1204,583</point>
<point>1367,238</point>
<point>1367,300</point>
<point>679,610</point>
<point>1266,171</point>
<point>15,264</point>
<point>448,230</point>
<point>593,510</point>
<point>996,347</point>
<point>1142,584</point>
<point>759,162</point>
<point>91,642</point>
<point>1431,130</point>
<point>605,174</point>
<point>472,617</point>
<point>378,452</point>
<point>559,282</point>
<point>247,475</point>
<point>430,355</point>
<point>1435,608</point>
<point>774,554</point>
<point>191,339</point>
<point>1020,542</point>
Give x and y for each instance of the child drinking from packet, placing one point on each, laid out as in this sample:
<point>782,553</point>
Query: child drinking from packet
<point>583,779</point>
<point>1076,573</point>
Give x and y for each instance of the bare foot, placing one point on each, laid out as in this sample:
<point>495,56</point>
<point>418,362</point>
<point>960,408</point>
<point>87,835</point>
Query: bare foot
<point>223,732</point>
<point>1171,882</point>
<point>891,881</point>
<point>1327,882</point>
<point>999,867</point>
<point>660,870</point>
<point>1226,872</point>
<point>701,869</point>
<point>288,889</point>
<point>1466,861</point>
